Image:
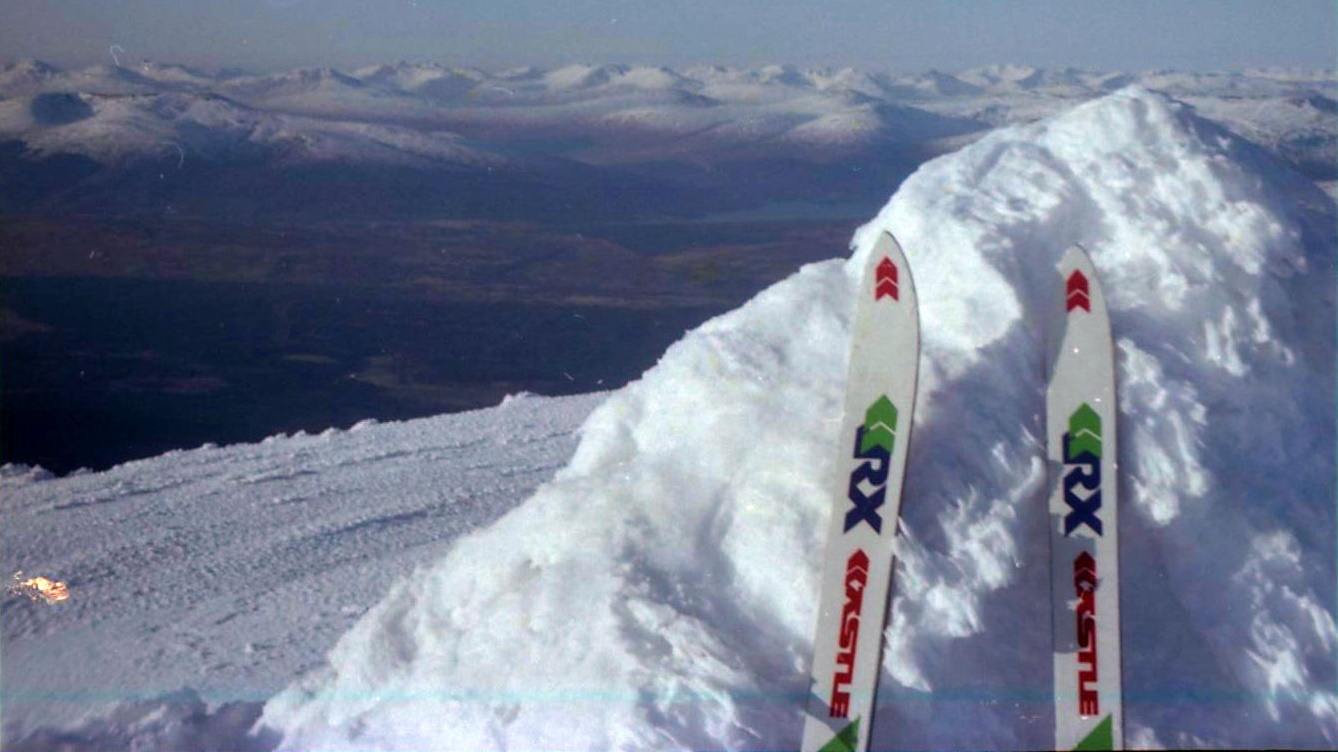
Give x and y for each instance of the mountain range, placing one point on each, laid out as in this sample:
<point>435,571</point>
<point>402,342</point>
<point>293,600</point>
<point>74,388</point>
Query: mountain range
<point>422,139</point>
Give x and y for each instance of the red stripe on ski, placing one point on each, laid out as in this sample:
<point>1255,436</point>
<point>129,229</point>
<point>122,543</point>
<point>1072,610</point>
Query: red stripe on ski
<point>1084,572</point>
<point>886,281</point>
<point>1077,293</point>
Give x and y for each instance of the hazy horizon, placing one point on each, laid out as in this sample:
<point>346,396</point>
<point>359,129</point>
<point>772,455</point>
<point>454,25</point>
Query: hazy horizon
<point>261,35</point>
<point>208,68</point>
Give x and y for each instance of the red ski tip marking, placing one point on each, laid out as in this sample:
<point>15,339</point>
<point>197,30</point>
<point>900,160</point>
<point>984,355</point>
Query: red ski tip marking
<point>886,284</point>
<point>1077,293</point>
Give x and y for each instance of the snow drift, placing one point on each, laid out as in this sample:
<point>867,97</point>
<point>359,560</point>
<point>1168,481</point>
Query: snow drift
<point>660,592</point>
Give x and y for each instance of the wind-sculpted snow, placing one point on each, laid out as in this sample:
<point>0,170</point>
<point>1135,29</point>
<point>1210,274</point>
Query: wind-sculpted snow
<point>660,592</point>
<point>1217,265</point>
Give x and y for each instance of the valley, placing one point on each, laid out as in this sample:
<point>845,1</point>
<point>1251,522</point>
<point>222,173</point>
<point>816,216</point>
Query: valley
<point>123,339</point>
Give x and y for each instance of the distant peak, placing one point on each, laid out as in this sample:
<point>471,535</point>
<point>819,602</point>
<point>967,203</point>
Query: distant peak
<point>582,76</point>
<point>31,66</point>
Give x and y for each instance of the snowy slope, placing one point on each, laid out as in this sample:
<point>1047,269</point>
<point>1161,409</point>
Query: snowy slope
<point>659,593</point>
<point>218,574</point>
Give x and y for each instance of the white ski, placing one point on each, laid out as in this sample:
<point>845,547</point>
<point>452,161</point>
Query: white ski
<point>1084,531</point>
<point>857,573</point>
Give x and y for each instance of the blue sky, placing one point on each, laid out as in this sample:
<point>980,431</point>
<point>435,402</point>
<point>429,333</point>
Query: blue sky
<point>870,34</point>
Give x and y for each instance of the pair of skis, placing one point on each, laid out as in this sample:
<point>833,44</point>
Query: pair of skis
<point>880,401</point>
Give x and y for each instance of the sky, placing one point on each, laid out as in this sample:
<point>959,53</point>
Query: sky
<point>868,34</point>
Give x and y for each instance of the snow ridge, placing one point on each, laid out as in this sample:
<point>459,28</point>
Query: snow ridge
<point>660,592</point>
<point>1215,266</point>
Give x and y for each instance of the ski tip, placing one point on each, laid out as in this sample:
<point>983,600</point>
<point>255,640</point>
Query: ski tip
<point>1082,290</point>
<point>884,248</point>
<point>887,242</point>
<point>1076,257</point>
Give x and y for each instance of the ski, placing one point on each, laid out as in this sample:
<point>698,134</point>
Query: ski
<point>1084,542</point>
<point>857,571</point>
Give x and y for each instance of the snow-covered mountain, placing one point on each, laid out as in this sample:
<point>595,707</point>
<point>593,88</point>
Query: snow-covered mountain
<point>119,129</point>
<point>27,77</point>
<point>782,108</point>
<point>933,84</point>
<point>583,140</point>
<point>435,81</point>
<point>330,94</point>
<point>660,591</point>
<point>426,95</point>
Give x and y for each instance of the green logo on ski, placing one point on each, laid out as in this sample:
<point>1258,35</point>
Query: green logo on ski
<point>1101,738</point>
<point>880,426</point>
<point>1084,433</point>
<point>844,741</point>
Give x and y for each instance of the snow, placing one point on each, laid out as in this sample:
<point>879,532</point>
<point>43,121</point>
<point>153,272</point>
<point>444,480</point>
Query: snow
<point>578,77</point>
<point>202,581</point>
<point>659,591</point>
<point>794,110</point>
<point>431,81</point>
<point>177,126</point>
